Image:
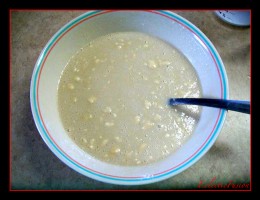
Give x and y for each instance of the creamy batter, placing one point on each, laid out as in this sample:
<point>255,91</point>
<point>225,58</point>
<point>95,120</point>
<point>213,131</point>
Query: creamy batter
<point>113,95</point>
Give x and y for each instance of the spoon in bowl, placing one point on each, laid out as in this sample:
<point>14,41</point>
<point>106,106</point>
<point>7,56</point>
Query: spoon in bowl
<point>234,105</point>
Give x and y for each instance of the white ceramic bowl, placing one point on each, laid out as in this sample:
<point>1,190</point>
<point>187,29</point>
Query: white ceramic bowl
<point>165,25</point>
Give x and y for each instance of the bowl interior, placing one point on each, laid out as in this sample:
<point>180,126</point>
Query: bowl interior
<point>164,25</point>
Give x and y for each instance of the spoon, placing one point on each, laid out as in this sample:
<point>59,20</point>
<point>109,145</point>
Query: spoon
<point>239,106</point>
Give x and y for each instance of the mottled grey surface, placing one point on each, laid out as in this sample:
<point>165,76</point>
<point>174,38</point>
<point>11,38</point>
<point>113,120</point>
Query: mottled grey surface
<point>34,166</point>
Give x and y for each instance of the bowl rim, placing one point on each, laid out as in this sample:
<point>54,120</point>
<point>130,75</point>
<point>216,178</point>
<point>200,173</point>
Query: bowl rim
<point>106,177</point>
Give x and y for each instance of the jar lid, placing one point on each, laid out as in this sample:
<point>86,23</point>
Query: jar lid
<point>234,17</point>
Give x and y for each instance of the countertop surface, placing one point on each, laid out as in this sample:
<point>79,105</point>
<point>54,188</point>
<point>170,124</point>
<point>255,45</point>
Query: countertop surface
<point>34,166</point>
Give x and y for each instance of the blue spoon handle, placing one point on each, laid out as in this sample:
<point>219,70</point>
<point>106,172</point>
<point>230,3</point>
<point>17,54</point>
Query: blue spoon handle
<point>239,106</point>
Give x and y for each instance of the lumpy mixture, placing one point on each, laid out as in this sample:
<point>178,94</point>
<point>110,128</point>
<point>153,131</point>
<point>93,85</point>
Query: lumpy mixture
<point>113,96</point>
